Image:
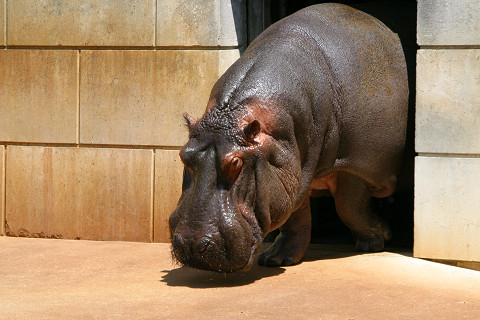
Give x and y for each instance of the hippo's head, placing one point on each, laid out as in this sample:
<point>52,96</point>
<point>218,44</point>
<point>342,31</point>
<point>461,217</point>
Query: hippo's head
<point>237,186</point>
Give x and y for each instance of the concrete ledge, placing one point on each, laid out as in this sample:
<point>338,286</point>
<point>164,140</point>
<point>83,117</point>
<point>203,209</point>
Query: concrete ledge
<point>446,208</point>
<point>38,96</point>
<point>2,23</point>
<point>61,279</point>
<point>2,189</point>
<point>201,23</point>
<point>81,23</point>
<point>446,22</point>
<point>447,108</point>
<point>87,193</point>
<point>137,97</point>
<point>168,189</point>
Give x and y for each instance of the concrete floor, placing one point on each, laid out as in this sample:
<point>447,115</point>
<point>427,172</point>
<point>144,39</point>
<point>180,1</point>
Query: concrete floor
<point>62,279</point>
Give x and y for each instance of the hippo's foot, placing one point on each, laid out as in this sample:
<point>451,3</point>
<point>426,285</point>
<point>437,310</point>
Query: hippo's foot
<point>352,201</point>
<point>292,242</point>
<point>374,244</point>
<point>285,251</point>
<point>377,242</point>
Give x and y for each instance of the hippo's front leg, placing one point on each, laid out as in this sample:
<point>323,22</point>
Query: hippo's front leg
<point>292,242</point>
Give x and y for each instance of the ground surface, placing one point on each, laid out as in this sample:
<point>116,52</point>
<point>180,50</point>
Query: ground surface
<point>61,279</point>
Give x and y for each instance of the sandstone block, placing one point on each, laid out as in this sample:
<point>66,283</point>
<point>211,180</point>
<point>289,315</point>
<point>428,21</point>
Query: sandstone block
<point>138,97</point>
<point>448,101</point>
<point>2,23</point>
<point>81,23</point>
<point>168,188</point>
<point>2,190</point>
<point>79,193</point>
<point>201,23</point>
<point>38,96</point>
<point>447,223</point>
<point>446,22</point>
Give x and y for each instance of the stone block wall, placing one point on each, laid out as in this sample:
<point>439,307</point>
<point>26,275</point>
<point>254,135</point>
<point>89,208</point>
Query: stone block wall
<point>447,173</point>
<point>91,101</point>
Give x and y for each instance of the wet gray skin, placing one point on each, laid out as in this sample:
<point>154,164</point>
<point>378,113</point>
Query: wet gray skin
<point>317,102</point>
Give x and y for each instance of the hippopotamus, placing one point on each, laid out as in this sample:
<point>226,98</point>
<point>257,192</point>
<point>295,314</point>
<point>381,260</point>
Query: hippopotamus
<point>317,103</point>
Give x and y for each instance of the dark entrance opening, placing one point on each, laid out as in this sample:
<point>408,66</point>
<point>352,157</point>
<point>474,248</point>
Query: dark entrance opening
<point>400,17</point>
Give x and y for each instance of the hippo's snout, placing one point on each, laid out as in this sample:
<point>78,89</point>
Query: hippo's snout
<point>221,246</point>
<point>207,253</point>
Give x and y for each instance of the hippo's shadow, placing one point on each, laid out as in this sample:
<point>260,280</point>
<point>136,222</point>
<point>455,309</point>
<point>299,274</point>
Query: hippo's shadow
<point>193,278</point>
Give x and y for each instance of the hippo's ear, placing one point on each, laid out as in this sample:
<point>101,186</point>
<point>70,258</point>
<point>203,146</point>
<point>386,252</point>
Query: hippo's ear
<point>190,121</point>
<point>252,130</point>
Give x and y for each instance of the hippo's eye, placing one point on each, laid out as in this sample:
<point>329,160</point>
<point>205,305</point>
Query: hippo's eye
<point>231,168</point>
<point>236,163</point>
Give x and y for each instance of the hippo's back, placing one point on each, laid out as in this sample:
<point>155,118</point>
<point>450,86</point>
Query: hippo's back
<point>368,72</point>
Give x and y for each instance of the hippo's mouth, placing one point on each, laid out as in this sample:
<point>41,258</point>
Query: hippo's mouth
<point>249,216</point>
<point>253,254</point>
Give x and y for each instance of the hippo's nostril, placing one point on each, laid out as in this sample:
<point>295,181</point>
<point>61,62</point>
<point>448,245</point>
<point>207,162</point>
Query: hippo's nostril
<point>178,241</point>
<point>203,245</point>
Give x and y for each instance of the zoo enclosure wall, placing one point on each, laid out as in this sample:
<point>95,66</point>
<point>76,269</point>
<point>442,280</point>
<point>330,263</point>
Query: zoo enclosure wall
<point>447,137</point>
<point>91,101</point>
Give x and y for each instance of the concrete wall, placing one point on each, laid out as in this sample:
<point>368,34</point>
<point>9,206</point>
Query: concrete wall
<point>91,101</point>
<point>447,174</point>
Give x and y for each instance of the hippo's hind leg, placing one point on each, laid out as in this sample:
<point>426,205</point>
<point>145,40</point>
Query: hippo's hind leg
<point>292,242</point>
<point>352,201</point>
